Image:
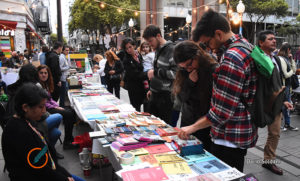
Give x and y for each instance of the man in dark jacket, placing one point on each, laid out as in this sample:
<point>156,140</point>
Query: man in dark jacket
<point>162,75</point>
<point>267,43</point>
<point>52,61</point>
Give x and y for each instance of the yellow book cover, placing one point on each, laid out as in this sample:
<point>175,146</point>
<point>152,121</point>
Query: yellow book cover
<point>176,168</point>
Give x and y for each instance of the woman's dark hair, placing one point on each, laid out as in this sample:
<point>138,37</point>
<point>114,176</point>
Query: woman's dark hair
<point>284,50</point>
<point>49,84</point>
<point>28,73</point>
<point>29,94</point>
<point>125,42</point>
<point>184,51</point>
<point>209,23</point>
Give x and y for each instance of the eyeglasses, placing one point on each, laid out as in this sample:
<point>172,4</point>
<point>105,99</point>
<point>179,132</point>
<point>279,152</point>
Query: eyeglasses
<point>205,45</point>
<point>187,65</point>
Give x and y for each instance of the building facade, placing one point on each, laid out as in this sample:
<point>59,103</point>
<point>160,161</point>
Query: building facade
<point>23,24</point>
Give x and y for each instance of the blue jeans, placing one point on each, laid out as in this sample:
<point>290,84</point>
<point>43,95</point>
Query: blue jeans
<point>62,94</point>
<point>285,111</point>
<point>53,122</point>
<point>76,178</point>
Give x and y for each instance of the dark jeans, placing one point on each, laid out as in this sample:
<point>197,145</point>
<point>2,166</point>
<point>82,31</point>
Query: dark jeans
<point>114,85</point>
<point>55,93</point>
<point>174,117</point>
<point>3,84</point>
<point>161,105</point>
<point>103,81</point>
<point>69,118</point>
<point>62,95</point>
<point>136,99</point>
<point>234,157</point>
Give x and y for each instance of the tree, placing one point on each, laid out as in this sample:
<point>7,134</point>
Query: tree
<point>89,17</point>
<point>53,39</point>
<point>259,10</point>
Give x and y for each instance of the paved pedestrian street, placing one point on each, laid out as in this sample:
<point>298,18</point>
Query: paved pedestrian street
<point>288,156</point>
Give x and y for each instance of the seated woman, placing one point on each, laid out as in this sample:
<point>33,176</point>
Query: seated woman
<point>48,125</point>
<point>193,85</point>
<point>22,148</point>
<point>69,116</point>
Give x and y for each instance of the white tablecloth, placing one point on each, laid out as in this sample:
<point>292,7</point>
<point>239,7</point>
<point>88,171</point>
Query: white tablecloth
<point>9,77</point>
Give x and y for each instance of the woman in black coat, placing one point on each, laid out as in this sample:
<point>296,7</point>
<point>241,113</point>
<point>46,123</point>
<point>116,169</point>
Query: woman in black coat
<point>134,74</point>
<point>113,70</point>
<point>27,155</point>
<point>193,85</point>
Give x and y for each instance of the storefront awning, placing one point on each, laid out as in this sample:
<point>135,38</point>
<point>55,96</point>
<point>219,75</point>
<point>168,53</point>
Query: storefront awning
<point>10,24</point>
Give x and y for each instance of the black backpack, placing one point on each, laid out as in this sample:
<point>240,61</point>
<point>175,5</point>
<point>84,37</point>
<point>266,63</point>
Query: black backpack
<point>268,98</point>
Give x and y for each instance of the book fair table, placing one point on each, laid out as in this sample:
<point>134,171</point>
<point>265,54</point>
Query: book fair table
<point>140,146</point>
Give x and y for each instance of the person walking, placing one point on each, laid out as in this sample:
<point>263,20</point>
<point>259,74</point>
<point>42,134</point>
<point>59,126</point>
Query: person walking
<point>64,67</point>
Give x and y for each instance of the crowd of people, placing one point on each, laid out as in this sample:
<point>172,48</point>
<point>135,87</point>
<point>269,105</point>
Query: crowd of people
<point>211,80</point>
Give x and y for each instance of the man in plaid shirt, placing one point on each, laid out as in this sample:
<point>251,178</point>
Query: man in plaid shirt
<point>232,131</point>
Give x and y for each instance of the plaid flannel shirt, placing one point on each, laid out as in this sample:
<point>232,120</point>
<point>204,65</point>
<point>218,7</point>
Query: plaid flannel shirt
<point>234,80</point>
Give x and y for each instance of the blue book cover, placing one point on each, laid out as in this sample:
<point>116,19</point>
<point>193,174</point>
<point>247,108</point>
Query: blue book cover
<point>209,166</point>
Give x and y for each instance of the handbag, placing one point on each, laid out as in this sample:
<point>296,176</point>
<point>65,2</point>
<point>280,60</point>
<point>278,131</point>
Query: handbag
<point>263,63</point>
<point>294,81</point>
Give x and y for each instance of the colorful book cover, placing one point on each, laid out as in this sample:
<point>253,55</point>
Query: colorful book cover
<point>139,151</point>
<point>147,174</point>
<point>155,149</point>
<point>210,166</point>
<point>148,158</point>
<point>121,147</point>
<point>205,177</point>
<point>198,157</point>
<point>168,158</point>
<point>176,168</point>
<point>127,141</point>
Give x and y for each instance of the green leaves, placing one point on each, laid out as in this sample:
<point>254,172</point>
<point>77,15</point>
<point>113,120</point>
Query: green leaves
<point>263,8</point>
<point>88,15</point>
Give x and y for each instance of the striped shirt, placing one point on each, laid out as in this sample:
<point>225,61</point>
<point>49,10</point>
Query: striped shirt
<point>234,80</point>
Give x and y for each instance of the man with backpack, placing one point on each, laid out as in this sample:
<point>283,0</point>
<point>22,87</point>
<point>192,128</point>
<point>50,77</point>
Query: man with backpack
<point>267,43</point>
<point>232,130</point>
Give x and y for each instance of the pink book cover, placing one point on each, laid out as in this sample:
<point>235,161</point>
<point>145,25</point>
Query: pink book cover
<point>121,147</point>
<point>155,149</point>
<point>127,141</point>
<point>147,174</point>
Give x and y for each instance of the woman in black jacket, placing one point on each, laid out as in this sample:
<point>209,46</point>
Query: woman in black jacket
<point>134,74</point>
<point>193,85</point>
<point>113,70</point>
<point>27,155</point>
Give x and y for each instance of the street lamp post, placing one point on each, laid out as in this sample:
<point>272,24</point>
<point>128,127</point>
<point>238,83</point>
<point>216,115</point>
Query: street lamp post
<point>130,24</point>
<point>240,8</point>
<point>188,20</point>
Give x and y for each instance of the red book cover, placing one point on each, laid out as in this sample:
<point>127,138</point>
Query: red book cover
<point>147,174</point>
<point>154,149</point>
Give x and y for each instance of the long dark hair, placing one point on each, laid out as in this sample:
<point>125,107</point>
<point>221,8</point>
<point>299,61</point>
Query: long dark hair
<point>189,50</point>
<point>29,94</point>
<point>48,85</point>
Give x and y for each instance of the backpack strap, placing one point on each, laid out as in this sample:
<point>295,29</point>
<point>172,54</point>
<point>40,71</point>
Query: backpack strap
<point>239,44</point>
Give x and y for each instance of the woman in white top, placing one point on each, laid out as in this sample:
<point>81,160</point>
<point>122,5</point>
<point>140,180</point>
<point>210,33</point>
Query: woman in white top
<point>288,66</point>
<point>99,67</point>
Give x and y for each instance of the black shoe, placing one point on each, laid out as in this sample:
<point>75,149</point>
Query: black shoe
<point>69,146</point>
<point>59,156</point>
<point>273,168</point>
